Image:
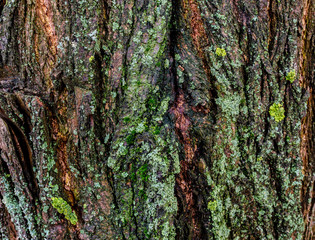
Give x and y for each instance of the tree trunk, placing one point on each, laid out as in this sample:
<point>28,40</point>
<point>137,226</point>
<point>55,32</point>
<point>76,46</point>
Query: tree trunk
<point>157,119</point>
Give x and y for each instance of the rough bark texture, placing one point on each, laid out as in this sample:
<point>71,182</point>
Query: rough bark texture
<point>127,111</point>
<point>307,56</point>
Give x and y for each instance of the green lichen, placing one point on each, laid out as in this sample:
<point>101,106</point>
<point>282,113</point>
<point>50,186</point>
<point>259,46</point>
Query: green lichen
<point>91,59</point>
<point>291,76</point>
<point>277,112</point>
<point>212,205</point>
<point>64,208</point>
<point>220,52</point>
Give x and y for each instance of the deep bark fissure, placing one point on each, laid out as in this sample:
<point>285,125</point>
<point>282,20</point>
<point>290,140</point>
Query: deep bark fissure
<point>133,209</point>
<point>186,180</point>
<point>272,26</point>
<point>176,91</point>
<point>5,167</point>
<point>24,153</point>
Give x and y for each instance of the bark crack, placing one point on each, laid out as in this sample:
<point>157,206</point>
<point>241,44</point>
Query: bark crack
<point>185,182</point>
<point>24,153</point>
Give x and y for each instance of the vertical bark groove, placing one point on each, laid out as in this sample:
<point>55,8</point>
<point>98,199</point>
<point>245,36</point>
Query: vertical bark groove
<point>306,64</point>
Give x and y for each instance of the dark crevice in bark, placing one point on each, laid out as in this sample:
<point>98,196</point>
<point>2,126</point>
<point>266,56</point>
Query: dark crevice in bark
<point>270,100</point>
<point>173,43</point>
<point>102,91</point>
<point>100,79</point>
<point>72,39</point>
<point>24,153</point>
<point>190,220</point>
<point>26,120</point>
<point>2,4</point>
<point>7,172</point>
<point>182,228</point>
<point>272,26</point>
<point>125,60</point>
<point>99,90</point>
<point>277,228</point>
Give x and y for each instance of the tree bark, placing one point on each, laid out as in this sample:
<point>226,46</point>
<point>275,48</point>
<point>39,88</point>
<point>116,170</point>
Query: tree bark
<point>308,131</point>
<point>151,119</point>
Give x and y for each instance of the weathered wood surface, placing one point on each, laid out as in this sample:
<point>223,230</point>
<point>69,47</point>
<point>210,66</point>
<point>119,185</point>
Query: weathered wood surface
<point>125,110</point>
